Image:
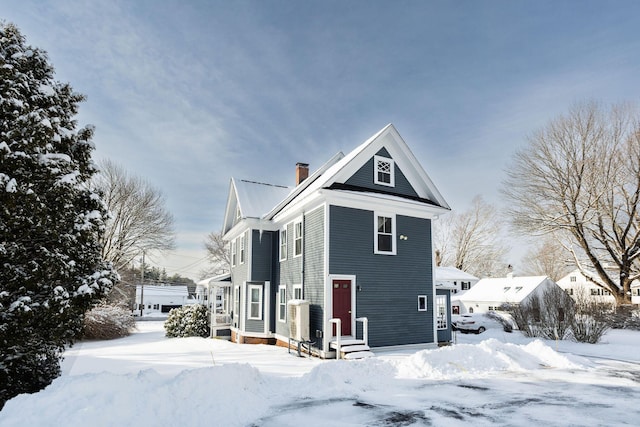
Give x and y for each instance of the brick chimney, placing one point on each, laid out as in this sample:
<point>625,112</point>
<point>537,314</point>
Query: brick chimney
<point>302,172</point>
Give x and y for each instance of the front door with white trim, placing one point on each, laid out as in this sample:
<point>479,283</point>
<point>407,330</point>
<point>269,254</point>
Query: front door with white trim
<point>342,304</point>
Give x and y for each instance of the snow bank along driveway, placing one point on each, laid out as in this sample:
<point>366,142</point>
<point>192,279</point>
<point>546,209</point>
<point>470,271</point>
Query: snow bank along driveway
<point>147,380</point>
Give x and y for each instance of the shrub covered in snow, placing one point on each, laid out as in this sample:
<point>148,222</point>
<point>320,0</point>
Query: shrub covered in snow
<point>107,322</point>
<point>188,321</point>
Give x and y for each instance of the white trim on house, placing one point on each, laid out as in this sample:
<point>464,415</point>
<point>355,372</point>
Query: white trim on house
<point>377,233</point>
<point>423,303</point>
<point>282,303</point>
<point>283,243</point>
<point>327,282</point>
<point>297,222</point>
<point>298,287</point>
<point>250,302</point>
<point>377,162</point>
<point>243,249</point>
<point>329,312</point>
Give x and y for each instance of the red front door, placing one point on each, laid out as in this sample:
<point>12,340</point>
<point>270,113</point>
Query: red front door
<point>342,304</point>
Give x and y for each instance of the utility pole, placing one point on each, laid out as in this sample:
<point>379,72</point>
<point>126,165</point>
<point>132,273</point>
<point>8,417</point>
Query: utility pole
<point>142,287</point>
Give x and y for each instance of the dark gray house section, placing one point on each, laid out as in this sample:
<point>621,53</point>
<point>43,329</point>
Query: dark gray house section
<point>364,178</point>
<point>313,287</point>
<point>389,285</point>
<point>261,255</point>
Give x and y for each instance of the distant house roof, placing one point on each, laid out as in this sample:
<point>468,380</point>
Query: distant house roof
<point>449,274</point>
<point>504,289</point>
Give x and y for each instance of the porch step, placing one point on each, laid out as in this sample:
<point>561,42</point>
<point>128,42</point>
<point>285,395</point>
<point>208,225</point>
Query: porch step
<point>346,342</point>
<point>358,355</point>
<point>354,348</point>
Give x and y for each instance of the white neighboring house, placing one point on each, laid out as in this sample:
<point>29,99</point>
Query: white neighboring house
<point>576,283</point>
<point>159,299</point>
<point>489,294</point>
<point>455,280</point>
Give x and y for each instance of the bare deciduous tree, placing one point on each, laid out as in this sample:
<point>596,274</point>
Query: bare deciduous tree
<point>471,241</point>
<point>548,258</point>
<point>139,220</point>
<point>218,253</point>
<point>580,176</point>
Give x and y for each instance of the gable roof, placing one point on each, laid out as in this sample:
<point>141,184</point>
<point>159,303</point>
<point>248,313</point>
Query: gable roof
<point>264,201</point>
<point>504,289</point>
<point>254,199</point>
<point>343,168</point>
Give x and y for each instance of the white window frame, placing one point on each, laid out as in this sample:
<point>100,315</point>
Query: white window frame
<point>377,216</point>
<point>283,244</point>
<point>243,245</point>
<point>234,256</point>
<point>392,175</point>
<point>442,318</point>
<point>297,238</point>
<point>251,302</point>
<point>425,306</point>
<point>282,301</point>
<point>297,292</point>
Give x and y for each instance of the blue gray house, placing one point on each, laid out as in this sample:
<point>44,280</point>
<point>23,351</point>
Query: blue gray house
<point>352,240</point>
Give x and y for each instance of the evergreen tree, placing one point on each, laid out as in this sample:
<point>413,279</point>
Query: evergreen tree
<point>51,270</point>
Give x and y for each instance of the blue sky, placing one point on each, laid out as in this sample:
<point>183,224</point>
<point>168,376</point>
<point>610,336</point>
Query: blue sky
<point>187,94</point>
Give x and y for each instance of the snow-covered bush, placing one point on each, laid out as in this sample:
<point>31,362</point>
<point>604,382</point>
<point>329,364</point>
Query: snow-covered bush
<point>107,322</point>
<point>592,318</point>
<point>188,321</point>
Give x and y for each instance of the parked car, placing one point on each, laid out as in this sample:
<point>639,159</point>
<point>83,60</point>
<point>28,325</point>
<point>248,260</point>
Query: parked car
<point>469,323</point>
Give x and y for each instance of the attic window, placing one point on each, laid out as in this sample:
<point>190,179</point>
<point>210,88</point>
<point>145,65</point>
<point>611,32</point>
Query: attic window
<point>506,288</point>
<point>384,171</point>
<point>238,214</point>
<point>518,288</point>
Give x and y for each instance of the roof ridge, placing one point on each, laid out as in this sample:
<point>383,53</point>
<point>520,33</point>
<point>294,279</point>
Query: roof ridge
<point>263,183</point>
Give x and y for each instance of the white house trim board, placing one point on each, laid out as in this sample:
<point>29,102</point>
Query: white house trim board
<point>376,233</point>
<point>327,285</point>
<point>267,304</point>
<point>370,201</point>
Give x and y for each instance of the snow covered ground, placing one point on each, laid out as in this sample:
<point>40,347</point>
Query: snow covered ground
<point>495,378</point>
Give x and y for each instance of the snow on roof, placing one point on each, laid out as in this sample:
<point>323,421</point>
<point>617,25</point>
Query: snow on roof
<point>219,278</point>
<point>452,273</point>
<point>504,289</point>
<point>257,198</point>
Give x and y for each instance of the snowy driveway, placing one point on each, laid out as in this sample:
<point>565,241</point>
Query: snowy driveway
<point>605,395</point>
<point>496,380</point>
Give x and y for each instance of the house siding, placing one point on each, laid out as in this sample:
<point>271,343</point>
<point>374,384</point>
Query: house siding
<point>390,284</point>
<point>364,178</point>
<point>313,287</point>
